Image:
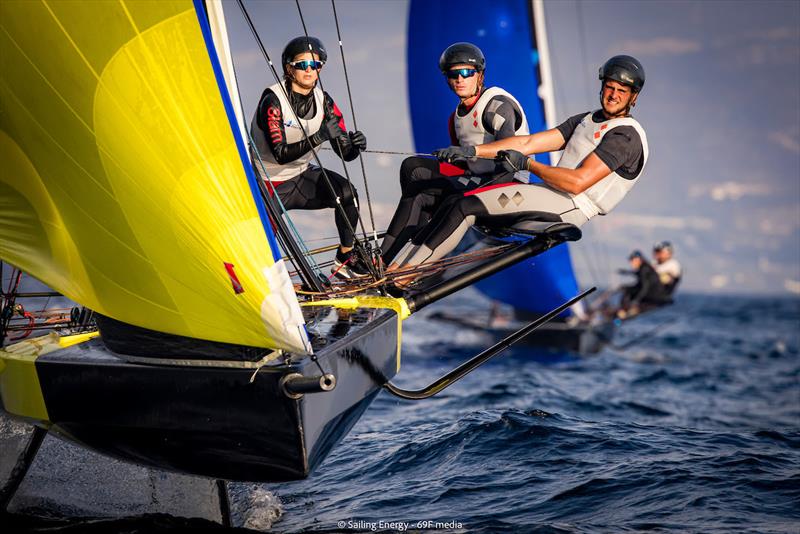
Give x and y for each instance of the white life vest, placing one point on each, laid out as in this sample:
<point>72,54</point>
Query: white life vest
<point>470,130</point>
<point>607,193</point>
<point>669,270</point>
<point>276,171</point>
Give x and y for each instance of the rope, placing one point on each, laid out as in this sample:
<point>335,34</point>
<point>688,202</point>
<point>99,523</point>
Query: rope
<point>292,228</point>
<point>355,124</point>
<point>359,247</point>
<point>641,337</point>
<point>582,37</point>
<point>419,154</point>
<point>423,270</point>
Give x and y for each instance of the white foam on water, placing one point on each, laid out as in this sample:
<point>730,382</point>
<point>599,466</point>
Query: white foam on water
<point>264,509</point>
<point>11,429</point>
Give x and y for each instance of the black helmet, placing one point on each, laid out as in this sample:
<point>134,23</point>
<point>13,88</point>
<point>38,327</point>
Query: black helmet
<point>462,54</point>
<point>624,69</point>
<point>298,45</point>
<point>662,245</point>
<point>636,254</point>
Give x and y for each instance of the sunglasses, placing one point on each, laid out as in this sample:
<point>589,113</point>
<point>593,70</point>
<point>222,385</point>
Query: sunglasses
<point>306,63</point>
<point>464,73</point>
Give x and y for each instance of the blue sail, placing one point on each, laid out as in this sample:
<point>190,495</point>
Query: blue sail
<point>504,31</point>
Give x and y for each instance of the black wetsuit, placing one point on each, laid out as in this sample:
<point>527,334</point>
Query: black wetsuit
<point>648,291</point>
<point>309,190</point>
<point>425,187</point>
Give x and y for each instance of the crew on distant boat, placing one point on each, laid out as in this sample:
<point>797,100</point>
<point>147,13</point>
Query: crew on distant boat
<point>668,269</point>
<point>285,153</point>
<point>605,152</point>
<point>483,115</point>
<point>648,292</point>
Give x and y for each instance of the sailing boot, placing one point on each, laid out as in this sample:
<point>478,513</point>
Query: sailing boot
<point>348,266</point>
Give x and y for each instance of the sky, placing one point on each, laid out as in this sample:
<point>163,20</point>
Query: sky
<point>721,107</point>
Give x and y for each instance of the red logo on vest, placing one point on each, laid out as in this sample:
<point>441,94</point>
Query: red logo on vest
<point>274,124</point>
<point>597,133</point>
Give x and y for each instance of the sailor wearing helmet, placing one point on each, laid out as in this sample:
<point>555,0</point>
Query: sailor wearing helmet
<point>284,154</point>
<point>668,269</point>
<point>605,152</point>
<point>482,115</point>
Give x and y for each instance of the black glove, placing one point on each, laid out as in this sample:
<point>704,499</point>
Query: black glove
<point>453,154</point>
<point>359,140</point>
<point>513,161</point>
<point>328,131</point>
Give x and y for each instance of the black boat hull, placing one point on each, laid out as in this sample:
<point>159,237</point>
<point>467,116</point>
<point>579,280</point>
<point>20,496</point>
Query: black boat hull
<point>580,338</point>
<point>213,421</point>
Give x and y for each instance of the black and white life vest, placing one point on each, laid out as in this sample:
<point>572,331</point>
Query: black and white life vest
<point>276,171</point>
<point>470,130</point>
<point>607,193</point>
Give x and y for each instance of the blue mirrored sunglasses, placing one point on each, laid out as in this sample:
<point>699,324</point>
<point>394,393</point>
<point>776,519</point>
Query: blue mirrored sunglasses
<point>303,65</point>
<point>464,73</point>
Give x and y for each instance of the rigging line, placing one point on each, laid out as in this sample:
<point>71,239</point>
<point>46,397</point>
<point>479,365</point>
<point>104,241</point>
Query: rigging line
<point>397,153</point>
<point>597,247</point>
<point>582,39</point>
<point>288,243</point>
<point>355,124</point>
<point>648,334</point>
<point>358,246</point>
<point>605,256</point>
<point>366,255</point>
<point>593,254</point>
<point>306,265</point>
<point>283,209</point>
<point>586,254</point>
<point>253,153</point>
<point>329,248</point>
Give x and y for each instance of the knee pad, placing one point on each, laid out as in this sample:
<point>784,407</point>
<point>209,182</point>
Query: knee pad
<point>470,205</point>
<point>406,168</point>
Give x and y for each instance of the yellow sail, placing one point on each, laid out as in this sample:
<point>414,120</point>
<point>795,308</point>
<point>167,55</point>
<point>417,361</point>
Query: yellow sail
<point>122,185</point>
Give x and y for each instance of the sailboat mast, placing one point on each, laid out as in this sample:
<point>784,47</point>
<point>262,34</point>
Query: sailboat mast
<point>546,91</point>
<point>219,32</point>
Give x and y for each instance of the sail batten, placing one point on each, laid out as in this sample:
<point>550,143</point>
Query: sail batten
<point>127,187</point>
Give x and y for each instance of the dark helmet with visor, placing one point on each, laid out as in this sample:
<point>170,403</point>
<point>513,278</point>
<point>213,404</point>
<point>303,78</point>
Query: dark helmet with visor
<point>299,45</point>
<point>624,69</point>
<point>636,254</point>
<point>462,54</point>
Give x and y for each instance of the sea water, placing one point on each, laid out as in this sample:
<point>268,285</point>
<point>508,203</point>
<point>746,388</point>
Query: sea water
<point>688,422</point>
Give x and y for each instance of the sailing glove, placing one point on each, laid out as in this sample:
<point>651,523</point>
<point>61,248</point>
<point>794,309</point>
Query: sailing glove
<point>359,140</point>
<point>513,161</point>
<point>328,131</point>
<point>453,154</point>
